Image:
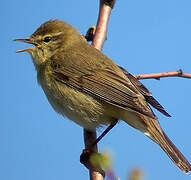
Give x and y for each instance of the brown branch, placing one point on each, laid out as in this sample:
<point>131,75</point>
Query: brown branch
<point>96,173</point>
<point>98,41</point>
<point>102,23</point>
<point>157,76</point>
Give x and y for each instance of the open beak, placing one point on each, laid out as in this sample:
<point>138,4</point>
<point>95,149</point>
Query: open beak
<point>26,41</point>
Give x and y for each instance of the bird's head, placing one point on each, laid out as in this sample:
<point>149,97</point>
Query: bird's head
<point>49,38</point>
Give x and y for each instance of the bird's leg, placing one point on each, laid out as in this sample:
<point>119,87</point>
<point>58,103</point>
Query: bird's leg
<point>104,133</point>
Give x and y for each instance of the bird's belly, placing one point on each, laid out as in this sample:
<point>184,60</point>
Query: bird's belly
<point>77,106</point>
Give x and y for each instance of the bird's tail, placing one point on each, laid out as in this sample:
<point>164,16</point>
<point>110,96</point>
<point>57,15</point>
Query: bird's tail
<point>157,134</point>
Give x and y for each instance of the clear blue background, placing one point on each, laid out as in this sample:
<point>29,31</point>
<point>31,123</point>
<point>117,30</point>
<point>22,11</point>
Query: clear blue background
<point>144,37</point>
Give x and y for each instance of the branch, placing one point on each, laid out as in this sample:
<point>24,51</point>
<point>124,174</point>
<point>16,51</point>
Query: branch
<point>98,41</point>
<point>157,76</point>
<point>98,36</point>
<point>102,23</point>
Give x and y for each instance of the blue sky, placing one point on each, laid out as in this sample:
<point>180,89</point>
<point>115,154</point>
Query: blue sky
<point>143,37</point>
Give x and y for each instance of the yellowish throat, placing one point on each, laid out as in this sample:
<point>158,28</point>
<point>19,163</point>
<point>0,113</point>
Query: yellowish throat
<point>90,89</point>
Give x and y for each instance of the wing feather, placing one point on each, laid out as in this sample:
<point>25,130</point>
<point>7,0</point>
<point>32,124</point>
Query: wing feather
<point>104,85</point>
<point>146,93</point>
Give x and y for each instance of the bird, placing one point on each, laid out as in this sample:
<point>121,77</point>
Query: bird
<point>92,90</point>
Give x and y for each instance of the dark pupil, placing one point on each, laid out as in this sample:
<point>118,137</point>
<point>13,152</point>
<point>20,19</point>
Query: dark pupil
<point>47,39</point>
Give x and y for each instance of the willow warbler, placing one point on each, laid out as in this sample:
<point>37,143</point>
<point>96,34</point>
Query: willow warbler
<point>90,89</point>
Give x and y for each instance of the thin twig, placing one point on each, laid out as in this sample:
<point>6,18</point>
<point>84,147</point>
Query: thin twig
<point>98,41</point>
<point>157,76</point>
<point>101,28</point>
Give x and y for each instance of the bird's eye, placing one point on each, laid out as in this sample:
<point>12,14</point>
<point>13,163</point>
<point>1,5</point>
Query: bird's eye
<point>47,39</point>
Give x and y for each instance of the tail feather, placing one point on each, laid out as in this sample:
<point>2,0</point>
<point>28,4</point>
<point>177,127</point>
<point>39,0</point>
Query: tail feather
<point>173,152</point>
<point>158,135</point>
<point>151,128</point>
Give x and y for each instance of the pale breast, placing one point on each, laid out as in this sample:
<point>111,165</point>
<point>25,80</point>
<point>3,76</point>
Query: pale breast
<point>77,106</point>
